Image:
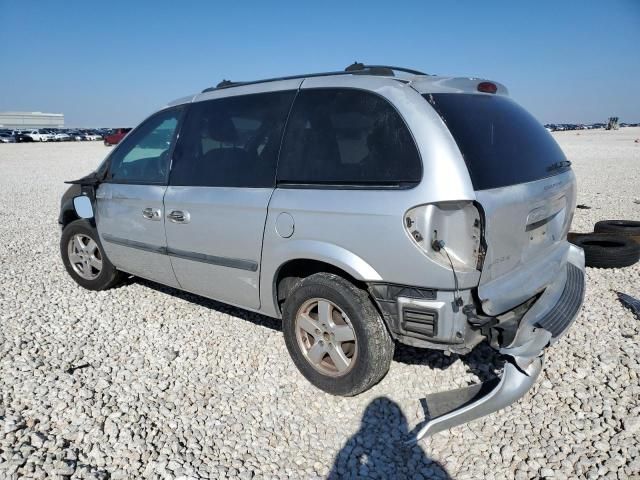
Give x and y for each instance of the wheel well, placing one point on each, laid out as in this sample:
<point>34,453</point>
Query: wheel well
<point>293,271</point>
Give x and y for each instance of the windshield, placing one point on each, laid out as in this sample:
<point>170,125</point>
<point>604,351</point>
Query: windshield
<point>502,144</point>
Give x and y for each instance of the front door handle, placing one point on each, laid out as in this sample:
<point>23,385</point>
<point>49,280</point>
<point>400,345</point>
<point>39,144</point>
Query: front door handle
<point>179,216</point>
<point>151,213</point>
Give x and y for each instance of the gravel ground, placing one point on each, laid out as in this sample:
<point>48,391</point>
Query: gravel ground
<point>146,381</point>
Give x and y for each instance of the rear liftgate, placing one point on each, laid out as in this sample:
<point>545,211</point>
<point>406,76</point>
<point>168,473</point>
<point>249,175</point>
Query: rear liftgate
<point>547,319</point>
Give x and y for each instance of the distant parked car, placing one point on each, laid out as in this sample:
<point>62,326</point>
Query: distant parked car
<point>93,136</point>
<point>23,137</point>
<point>77,136</point>
<point>115,136</point>
<point>7,138</point>
<point>38,136</point>
<point>61,137</point>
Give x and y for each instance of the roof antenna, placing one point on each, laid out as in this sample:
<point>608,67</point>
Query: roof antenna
<point>224,83</point>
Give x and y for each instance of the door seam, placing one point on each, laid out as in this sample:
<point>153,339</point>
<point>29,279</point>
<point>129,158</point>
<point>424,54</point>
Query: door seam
<point>166,239</point>
<point>273,190</point>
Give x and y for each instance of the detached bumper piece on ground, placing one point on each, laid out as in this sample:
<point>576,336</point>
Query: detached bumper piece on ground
<point>545,322</point>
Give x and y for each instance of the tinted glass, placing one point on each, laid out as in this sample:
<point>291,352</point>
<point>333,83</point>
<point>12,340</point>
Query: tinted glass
<point>502,144</point>
<point>347,137</point>
<point>231,142</point>
<point>143,157</point>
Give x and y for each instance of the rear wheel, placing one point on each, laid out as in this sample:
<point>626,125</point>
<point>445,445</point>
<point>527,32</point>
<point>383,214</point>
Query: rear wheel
<point>335,336</point>
<point>84,257</point>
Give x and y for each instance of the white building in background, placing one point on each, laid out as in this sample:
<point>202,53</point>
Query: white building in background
<point>24,120</point>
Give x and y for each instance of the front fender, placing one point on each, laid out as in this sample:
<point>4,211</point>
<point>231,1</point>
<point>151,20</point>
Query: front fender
<point>287,250</point>
<point>67,211</point>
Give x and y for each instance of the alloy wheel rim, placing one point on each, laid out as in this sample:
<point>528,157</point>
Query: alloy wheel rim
<point>84,256</point>
<point>326,337</point>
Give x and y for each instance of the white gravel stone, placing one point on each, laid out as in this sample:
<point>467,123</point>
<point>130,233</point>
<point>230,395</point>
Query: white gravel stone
<point>631,424</point>
<point>179,386</point>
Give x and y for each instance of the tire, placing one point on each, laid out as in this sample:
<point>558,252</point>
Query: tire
<point>107,144</point>
<point>607,250</point>
<point>628,228</point>
<point>370,353</point>
<point>93,278</point>
<point>571,236</point>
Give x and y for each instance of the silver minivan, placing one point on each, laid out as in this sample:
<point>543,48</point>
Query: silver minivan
<point>363,207</point>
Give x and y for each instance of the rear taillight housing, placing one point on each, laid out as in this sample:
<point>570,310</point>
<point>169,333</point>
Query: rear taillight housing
<point>456,226</point>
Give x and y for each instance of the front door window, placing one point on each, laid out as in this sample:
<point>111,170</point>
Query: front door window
<point>143,157</point>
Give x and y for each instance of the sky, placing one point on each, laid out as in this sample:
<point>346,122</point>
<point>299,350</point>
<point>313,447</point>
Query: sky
<point>113,63</point>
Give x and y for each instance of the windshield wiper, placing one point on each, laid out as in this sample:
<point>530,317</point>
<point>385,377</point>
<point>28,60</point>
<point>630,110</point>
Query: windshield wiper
<point>559,165</point>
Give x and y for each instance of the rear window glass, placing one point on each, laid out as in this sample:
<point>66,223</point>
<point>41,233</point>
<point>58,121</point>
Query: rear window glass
<point>347,137</point>
<point>502,144</point>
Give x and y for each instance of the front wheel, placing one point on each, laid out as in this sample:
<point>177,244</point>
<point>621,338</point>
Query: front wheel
<point>335,336</point>
<point>84,257</point>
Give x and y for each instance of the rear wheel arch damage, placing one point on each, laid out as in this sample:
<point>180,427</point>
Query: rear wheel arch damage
<point>294,271</point>
<point>298,258</point>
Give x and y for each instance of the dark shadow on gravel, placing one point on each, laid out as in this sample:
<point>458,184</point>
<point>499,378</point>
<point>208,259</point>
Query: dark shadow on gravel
<point>256,318</point>
<point>482,361</point>
<point>379,449</point>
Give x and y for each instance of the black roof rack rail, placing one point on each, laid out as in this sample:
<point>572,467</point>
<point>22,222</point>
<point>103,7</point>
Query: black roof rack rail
<point>353,69</point>
<point>380,69</point>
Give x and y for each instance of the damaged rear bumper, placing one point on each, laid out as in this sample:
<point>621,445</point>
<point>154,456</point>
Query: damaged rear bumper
<point>546,321</point>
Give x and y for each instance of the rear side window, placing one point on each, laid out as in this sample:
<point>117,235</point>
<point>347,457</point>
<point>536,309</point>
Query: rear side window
<point>502,144</point>
<point>231,142</point>
<point>347,137</point>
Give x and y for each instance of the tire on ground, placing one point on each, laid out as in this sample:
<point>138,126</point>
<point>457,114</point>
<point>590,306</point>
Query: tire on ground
<point>607,250</point>
<point>628,228</point>
<point>374,345</point>
<point>109,276</point>
<point>571,236</point>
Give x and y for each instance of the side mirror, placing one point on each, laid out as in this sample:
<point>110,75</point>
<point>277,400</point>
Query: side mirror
<point>83,207</point>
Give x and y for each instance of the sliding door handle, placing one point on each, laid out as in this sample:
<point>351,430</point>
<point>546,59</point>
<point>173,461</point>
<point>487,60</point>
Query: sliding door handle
<point>179,216</point>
